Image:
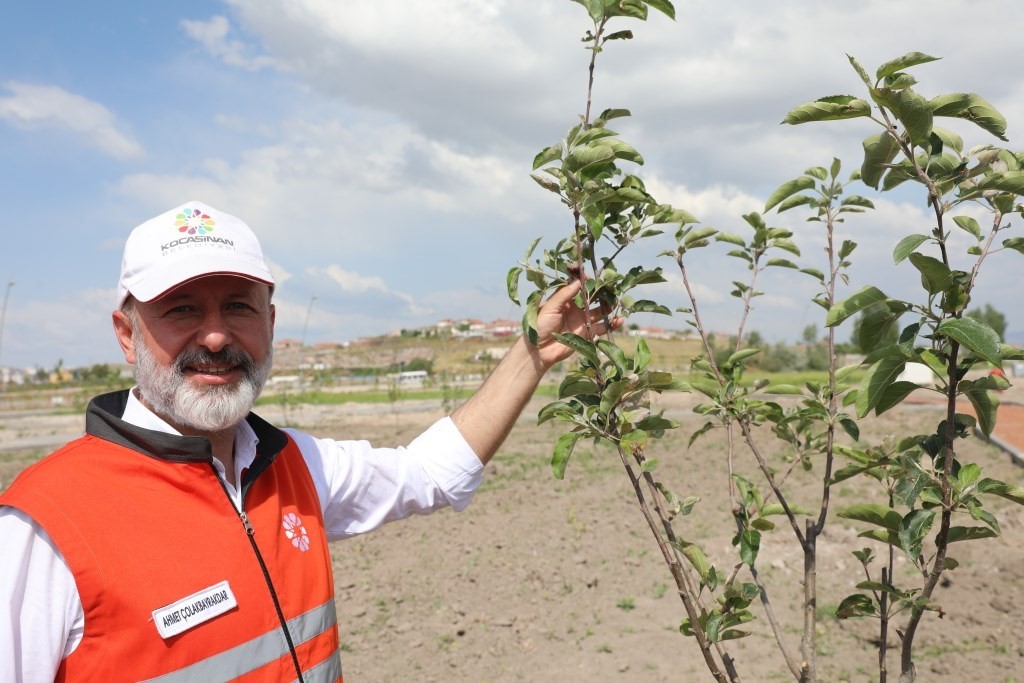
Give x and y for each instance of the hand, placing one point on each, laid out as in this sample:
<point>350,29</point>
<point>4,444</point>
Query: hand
<point>560,314</point>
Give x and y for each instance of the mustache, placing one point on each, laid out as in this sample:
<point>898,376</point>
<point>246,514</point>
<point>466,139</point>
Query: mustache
<point>226,356</point>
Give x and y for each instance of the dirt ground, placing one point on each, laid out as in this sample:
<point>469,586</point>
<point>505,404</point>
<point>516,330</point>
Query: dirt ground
<point>547,580</point>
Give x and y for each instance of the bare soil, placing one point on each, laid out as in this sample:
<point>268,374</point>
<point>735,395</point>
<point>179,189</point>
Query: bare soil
<point>548,580</point>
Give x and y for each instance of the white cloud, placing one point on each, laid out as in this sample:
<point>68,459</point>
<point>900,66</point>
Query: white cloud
<point>359,188</point>
<point>45,106</point>
<point>213,36</point>
<point>354,283</point>
<point>76,329</point>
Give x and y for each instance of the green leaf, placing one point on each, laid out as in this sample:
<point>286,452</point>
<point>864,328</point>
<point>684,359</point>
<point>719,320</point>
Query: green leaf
<point>529,250</point>
<point>856,605</point>
<point>783,389</point>
<point>642,357</point>
<point>750,544</point>
<point>874,513</point>
<point>708,426</point>
<point>876,382</point>
<point>788,189</point>
<point>786,245</point>
<point>969,533</point>
<point>593,133</point>
<point>563,449</point>
<point>815,273</point>
<point>730,238</point>
<point>907,246</point>
<point>949,139</point>
<point>835,168</point>
<point>512,284</point>
<point>974,335</point>
<point>905,62</point>
<point>547,182</point>
<point>818,172</point>
<point>912,110</point>
<point>581,346</point>
<point>1002,489</point>
<point>913,528</point>
<point>879,151</point>
<point>609,114</point>
<point>1007,181</point>
<point>588,155</point>
<point>664,213</point>
<point>935,275</point>
<point>860,300</point>
<point>615,354</point>
<point>698,234</point>
<point>699,560</point>
<point>656,423</point>
<point>828,109</point>
<point>619,35</point>
<point>547,155</point>
<point>969,474</point>
<point>969,224</point>
<point>857,200</point>
<point>742,354</point>
<point>574,385</point>
<point>647,306</point>
<point>884,536</point>
<point>1015,243</point>
<point>876,586</point>
<point>860,70</point>
<point>973,108</point>
<point>663,6</point>
<point>851,428</point>
<point>781,263</point>
<point>894,395</point>
<point>985,406</point>
<point>796,200</point>
<point>624,151</point>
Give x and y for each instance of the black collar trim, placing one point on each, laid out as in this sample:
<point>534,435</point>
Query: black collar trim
<point>103,420</point>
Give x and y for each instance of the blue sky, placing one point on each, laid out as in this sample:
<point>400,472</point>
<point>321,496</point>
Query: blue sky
<point>382,150</point>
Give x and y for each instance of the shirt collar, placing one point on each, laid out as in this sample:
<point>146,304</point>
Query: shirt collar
<point>136,413</point>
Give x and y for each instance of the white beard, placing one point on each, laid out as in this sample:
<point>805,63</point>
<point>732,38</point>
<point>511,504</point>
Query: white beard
<point>167,391</point>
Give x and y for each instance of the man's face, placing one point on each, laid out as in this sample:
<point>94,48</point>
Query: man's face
<point>202,352</point>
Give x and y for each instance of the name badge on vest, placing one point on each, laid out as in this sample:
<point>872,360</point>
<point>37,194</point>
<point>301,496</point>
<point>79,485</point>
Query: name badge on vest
<point>197,608</point>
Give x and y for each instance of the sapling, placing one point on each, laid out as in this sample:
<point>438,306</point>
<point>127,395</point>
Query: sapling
<point>607,395</point>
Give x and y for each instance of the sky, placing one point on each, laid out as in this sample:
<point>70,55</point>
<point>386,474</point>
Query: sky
<point>382,150</point>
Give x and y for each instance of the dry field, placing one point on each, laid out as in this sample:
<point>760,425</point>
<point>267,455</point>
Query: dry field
<point>547,580</point>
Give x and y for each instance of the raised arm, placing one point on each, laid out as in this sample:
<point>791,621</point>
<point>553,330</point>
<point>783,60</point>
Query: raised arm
<point>486,418</point>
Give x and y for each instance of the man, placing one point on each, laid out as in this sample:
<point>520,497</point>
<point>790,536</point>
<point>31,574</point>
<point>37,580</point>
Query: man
<point>185,539</point>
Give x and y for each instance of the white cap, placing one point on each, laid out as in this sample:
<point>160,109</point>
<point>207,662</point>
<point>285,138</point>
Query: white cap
<point>191,241</point>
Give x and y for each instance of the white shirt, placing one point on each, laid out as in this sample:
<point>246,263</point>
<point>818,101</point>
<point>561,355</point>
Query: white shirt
<point>360,488</point>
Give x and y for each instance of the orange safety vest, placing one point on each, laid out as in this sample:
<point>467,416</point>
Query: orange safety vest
<point>176,584</point>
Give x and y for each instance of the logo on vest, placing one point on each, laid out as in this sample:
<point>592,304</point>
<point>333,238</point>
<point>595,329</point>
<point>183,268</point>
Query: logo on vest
<point>197,608</point>
<point>295,532</point>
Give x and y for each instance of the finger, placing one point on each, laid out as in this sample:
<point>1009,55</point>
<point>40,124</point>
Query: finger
<point>564,294</point>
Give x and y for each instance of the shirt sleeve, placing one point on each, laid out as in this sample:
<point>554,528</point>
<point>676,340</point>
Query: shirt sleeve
<point>361,487</point>
<point>41,615</point>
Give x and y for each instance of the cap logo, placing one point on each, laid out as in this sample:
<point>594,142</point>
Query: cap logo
<point>195,227</point>
<point>194,221</point>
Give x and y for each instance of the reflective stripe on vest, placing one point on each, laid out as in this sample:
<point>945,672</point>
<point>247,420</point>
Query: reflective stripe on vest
<point>263,650</point>
<point>327,671</point>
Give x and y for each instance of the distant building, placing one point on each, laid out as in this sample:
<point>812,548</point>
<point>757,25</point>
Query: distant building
<point>653,333</point>
<point>502,328</point>
<point>12,376</point>
<point>414,377</point>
